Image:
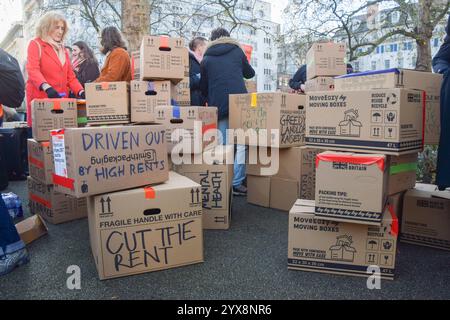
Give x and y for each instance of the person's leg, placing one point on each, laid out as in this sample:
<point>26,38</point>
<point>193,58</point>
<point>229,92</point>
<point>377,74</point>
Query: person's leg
<point>239,166</point>
<point>12,248</point>
<point>222,126</point>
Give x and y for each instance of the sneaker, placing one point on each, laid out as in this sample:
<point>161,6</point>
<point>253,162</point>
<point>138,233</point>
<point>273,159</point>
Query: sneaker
<point>240,191</point>
<point>10,261</point>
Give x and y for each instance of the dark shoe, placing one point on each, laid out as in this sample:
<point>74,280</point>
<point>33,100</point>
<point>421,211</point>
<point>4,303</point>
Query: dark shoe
<point>10,261</point>
<point>240,191</point>
<point>442,188</point>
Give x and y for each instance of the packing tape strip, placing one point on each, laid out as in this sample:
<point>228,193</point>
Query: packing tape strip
<point>38,199</point>
<point>46,144</point>
<point>149,193</point>
<point>368,160</point>
<point>57,132</point>
<point>176,112</point>
<point>104,85</point>
<point>82,120</point>
<point>150,86</point>
<point>209,127</point>
<point>404,167</point>
<point>394,227</point>
<point>36,162</point>
<point>254,100</point>
<point>64,182</point>
<point>164,42</point>
<point>424,122</point>
<point>56,105</point>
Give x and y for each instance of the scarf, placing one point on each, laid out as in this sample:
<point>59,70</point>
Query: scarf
<point>76,64</point>
<point>59,48</point>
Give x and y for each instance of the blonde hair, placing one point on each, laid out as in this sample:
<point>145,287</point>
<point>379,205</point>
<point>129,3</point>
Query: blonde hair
<point>47,22</point>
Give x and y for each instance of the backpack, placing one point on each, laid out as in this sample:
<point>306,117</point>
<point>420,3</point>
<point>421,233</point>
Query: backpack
<point>12,85</point>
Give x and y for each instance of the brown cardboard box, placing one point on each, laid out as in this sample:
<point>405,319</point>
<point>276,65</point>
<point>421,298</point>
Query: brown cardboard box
<point>271,111</point>
<point>162,58</point>
<point>215,176</point>
<point>183,89</point>
<point>402,78</point>
<point>50,114</point>
<point>31,229</point>
<point>388,121</point>
<point>186,118</point>
<point>351,187</point>
<point>326,59</point>
<point>402,173</point>
<point>52,206</point>
<point>426,217</point>
<point>258,190</point>
<point>251,86</point>
<point>341,248</point>
<point>283,193</point>
<point>319,84</point>
<point>40,161</point>
<point>146,96</point>
<point>108,103</point>
<point>95,160</point>
<point>395,203</point>
<point>81,113</point>
<point>136,65</point>
<point>144,230</point>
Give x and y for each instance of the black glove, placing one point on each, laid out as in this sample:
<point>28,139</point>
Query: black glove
<point>52,93</point>
<point>82,95</point>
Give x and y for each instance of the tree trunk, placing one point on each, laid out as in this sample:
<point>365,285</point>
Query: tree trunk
<point>425,33</point>
<point>135,21</point>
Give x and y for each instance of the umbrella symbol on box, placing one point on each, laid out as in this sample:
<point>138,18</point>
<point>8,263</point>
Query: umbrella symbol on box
<point>376,116</point>
<point>373,243</point>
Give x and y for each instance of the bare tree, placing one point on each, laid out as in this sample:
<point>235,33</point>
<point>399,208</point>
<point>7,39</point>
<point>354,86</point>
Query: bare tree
<point>135,21</point>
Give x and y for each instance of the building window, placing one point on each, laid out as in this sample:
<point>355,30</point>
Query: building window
<point>387,64</point>
<point>374,65</point>
<point>407,46</point>
<point>356,66</point>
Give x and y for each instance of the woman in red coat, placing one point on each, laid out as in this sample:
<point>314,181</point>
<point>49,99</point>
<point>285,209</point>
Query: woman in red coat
<point>50,73</point>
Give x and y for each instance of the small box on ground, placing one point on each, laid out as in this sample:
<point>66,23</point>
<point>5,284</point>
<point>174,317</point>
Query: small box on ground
<point>326,59</point>
<point>147,229</point>
<point>325,246</point>
<point>31,228</point>
<point>40,161</point>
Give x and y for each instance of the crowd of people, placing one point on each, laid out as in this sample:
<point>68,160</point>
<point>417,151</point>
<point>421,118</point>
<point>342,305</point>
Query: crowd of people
<point>217,69</point>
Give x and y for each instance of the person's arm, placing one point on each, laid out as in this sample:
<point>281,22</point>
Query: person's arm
<point>34,67</point>
<point>194,79</point>
<point>92,72</point>
<point>441,61</point>
<point>118,64</point>
<point>203,79</point>
<point>247,69</point>
<point>295,83</point>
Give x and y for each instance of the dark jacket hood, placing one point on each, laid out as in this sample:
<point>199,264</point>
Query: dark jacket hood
<point>221,46</point>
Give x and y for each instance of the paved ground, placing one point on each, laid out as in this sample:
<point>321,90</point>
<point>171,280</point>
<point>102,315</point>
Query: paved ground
<point>247,262</point>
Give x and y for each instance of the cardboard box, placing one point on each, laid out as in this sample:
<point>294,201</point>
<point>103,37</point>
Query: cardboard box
<point>50,114</point>
<point>251,86</point>
<point>258,114</point>
<point>31,229</point>
<point>297,163</point>
<point>258,190</point>
<point>146,96</point>
<point>183,88</point>
<point>144,230</point>
<point>319,84</point>
<point>426,217</point>
<point>388,121</point>
<point>162,58</point>
<point>52,206</point>
<point>95,160</point>
<point>326,59</point>
<point>283,193</point>
<point>215,175</point>
<point>40,161</point>
<point>340,248</point>
<point>108,103</point>
<point>429,82</point>
<point>193,124</point>
<point>351,187</point>
<point>402,173</point>
<point>395,203</point>
<point>136,65</point>
<point>81,113</point>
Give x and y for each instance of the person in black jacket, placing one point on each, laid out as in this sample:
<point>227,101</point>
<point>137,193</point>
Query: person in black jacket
<point>84,63</point>
<point>223,70</point>
<point>441,64</point>
<point>298,81</point>
<point>197,48</point>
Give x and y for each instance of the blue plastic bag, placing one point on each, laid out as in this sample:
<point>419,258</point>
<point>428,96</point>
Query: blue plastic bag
<point>13,204</point>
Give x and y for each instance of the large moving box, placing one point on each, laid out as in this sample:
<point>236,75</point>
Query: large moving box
<point>108,103</point>
<point>426,217</point>
<point>351,187</point>
<point>326,59</point>
<point>187,127</point>
<point>147,229</point>
<point>91,161</point>
<point>214,172</point>
<point>261,113</point>
<point>50,114</point>
<point>52,206</point>
<point>343,248</point>
<point>40,161</point>
<point>402,78</point>
<point>388,121</point>
<point>162,58</point>
<point>146,96</point>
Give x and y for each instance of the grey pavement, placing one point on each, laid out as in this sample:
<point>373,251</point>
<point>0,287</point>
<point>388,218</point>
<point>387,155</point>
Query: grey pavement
<point>249,261</point>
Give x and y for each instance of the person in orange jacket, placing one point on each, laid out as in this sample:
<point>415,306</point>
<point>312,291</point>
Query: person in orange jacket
<point>50,73</point>
<point>117,66</point>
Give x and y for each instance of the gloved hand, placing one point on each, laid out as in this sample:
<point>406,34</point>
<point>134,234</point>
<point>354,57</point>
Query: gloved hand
<point>82,95</point>
<point>52,93</point>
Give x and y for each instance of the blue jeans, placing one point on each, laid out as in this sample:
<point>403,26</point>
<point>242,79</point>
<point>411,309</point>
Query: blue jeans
<point>239,160</point>
<point>9,238</point>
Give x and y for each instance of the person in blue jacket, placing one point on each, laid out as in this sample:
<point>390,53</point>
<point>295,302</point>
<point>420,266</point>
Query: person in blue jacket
<point>197,49</point>
<point>299,79</point>
<point>441,64</point>
<point>223,70</point>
